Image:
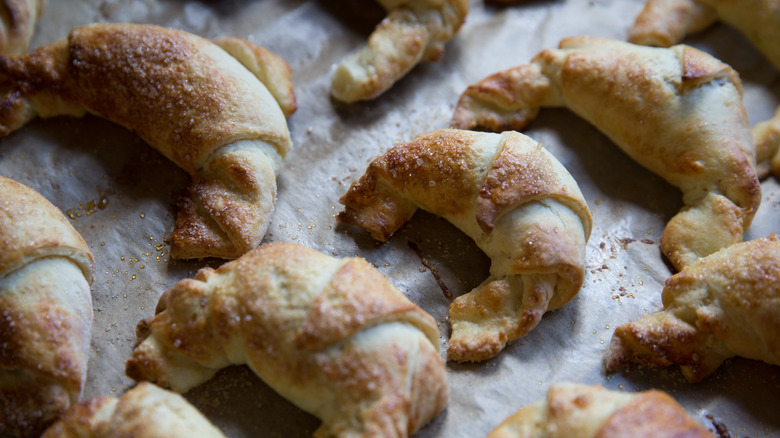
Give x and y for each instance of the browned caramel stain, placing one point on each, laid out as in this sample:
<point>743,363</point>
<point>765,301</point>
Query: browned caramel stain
<point>434,270</point>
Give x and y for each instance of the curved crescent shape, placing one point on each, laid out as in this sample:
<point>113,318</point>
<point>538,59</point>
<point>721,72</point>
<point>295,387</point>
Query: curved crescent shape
<point>45,311</point>
<point>17,24</point>
<point>517,202</point>
<point>145,411</point>
<point>331,335</point>
<point>678,112</point>
<point>414,31</point>
<point>187,98</point>
<point>590,411</point>
<point>723,305</point>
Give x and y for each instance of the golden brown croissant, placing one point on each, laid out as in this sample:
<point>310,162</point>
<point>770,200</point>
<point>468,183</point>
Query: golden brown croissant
<point>45,311</point>
<point>517,202</point>
<point>724,305</point>
<point>666,22</point>
<point>186,97</point>
<point>590,411</point>
<point>17,24</point>
<point>414,31</point>
<point>145,411</point>
<point>332,335</point>
<point>677,112</point>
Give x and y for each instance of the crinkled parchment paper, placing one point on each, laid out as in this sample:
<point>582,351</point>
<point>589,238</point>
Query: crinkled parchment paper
<point>120,195</point>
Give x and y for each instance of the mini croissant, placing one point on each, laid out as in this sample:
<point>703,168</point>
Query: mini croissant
<point>45,311</point>
<point>724,305</point>
<point>677,112</point>
<point>591,411</point>
<point>414,31</point>
<point>17,24</point>
<point>331,335</point>
<point>510,195</point>
<point>189,99</point>
<point>145,411</point>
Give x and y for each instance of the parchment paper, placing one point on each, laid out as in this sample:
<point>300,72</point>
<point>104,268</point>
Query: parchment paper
<point>120,195</point>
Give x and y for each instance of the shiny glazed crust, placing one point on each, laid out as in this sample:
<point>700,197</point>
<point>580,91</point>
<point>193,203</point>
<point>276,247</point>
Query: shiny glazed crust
<point>17,24</point>
<point>45,270</point>
<point>186,97</point>
<point>331,335</point>
<point>584,411</point>
<point>678,112</point>
<point>145,411</point>
<point>507,193</point>
<point>723,305</point>
<point>413,31</point>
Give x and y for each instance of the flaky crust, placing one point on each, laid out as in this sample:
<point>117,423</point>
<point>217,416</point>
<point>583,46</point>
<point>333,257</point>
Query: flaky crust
<point>145,411</point>
<point>677,112</point>
<point>414,31</point>
<point>590,411</point>
<point>332,335</point>
<point>507,193</point>
<point>17,24</point>
<point>186,97</point>
<point>723,305</point>
<point>45,270</point>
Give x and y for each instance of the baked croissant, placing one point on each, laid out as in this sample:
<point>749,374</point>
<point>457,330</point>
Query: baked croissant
<point>331,335</point>
<point>678,112</point>
<point>723,305</point>
<point>517,202</point>
<point>17,24</point>
<point>145,411</point>
<point>45,311</point>
<point>186,97</point>
<point>414,31</point>
<point>590,411</point>
<point>666,22</point>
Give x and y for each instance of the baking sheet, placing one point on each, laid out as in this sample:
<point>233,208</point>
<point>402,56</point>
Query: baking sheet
<point>120,195</point>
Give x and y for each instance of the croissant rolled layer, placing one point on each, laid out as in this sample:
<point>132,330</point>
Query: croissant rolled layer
<point>331,335</point>
<point>724,305</point>
<point>45,311</point>
<point>189,99</point>
<point>512,197</point>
